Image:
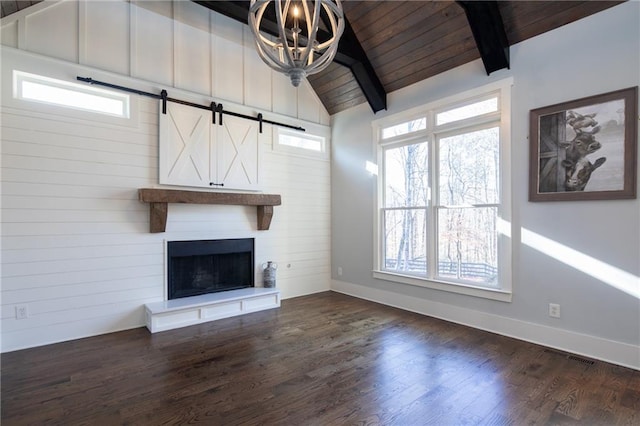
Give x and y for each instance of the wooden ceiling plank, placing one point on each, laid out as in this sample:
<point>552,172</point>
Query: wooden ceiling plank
<point>416,13</point>
<point>435,69</point>
<point>423,32</point>
<point>451,46</point>
<point>332,72</point>
<point>346,104</point>
<point>377,18</point>
<point>426,44</point>
<point>335,82</point>
<point>346,90</point>
<point>530,20</point>
<point>519,15</point>
<point>23,4</point>
<point>355,9</point>
<point>455,47</point>
<point>9,7</point>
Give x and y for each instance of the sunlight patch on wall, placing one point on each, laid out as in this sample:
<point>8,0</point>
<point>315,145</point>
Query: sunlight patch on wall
<point>615,277</point>
<point>371,168</point>
<point>503,227</point>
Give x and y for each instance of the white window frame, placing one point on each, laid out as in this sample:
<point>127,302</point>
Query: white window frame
<point>21,77</point>
<point>304,152</point>
<point>503,291</point>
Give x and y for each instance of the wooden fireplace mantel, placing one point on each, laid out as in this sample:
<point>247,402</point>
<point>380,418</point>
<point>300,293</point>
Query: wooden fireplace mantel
<point>159,200</point>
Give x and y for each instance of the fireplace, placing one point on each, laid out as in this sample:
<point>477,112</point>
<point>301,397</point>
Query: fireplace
<point>209,266</point>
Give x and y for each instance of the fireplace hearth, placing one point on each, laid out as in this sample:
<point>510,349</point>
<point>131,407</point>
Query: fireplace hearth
<point>209,266</point>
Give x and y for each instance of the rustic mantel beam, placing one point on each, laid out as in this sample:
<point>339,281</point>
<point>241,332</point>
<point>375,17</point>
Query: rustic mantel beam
<point>265,213</point>
<point>159,199</point>
<point>158,217</point>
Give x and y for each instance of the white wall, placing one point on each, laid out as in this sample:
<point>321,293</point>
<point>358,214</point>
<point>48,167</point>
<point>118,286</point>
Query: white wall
<point>76,247</point>
<point>172,43</point>
<point>597,54</point>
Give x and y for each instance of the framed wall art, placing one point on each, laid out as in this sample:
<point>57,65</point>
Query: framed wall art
<point>585,149</point>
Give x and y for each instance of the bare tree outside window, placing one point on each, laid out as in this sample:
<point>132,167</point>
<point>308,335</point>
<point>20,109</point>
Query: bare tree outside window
<point>406,192</point>
<point>459,223</point>
<point>468,197</point>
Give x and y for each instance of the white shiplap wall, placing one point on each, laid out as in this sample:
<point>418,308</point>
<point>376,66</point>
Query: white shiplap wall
<point>176,44</point>
<point>75,243</point>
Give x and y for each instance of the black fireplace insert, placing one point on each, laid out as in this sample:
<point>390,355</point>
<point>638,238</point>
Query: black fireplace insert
<point>209,266</point>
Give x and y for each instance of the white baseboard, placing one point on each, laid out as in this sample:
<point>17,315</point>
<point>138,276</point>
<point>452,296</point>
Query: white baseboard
<point>611,351</point>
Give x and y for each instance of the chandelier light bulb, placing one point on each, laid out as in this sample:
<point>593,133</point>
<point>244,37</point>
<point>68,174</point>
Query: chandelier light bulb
<point>301,47</point>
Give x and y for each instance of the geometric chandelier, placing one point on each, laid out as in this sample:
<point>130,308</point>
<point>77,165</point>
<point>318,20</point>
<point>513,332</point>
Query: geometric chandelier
<point>301,47</point>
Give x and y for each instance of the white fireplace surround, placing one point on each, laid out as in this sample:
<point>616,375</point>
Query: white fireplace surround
<point>185,311</point>
<point>170,314</point>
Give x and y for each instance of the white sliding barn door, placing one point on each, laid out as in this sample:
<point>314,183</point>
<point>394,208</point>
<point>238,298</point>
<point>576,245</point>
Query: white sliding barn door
<point>195,152</point>
<point>238,155</point>
<point>185,149</point>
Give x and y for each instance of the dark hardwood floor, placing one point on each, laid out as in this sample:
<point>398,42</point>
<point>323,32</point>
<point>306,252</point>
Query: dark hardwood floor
<point>325,359</point>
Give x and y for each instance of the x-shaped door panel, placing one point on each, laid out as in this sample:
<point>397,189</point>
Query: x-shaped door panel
<point>238,163</point>
<point>187,143</point>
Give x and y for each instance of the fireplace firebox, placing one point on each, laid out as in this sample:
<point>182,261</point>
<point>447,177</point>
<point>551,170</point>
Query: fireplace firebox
<point>209,266</point>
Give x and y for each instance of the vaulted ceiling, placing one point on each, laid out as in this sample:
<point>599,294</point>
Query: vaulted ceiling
<point>404,42</point>
<point>388,45</point>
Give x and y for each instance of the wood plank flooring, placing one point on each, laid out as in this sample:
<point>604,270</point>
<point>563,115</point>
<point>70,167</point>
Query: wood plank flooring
<point>324,359</point>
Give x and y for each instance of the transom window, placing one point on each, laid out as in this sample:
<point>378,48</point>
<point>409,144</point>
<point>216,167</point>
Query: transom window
<point>442,198</point>
<point>300,143</point>
<point>45,90</point>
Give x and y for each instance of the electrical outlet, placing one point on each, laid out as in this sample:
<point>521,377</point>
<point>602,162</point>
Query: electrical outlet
<point>339,271</point>
<point>554,310</point>
<point>22,312</point>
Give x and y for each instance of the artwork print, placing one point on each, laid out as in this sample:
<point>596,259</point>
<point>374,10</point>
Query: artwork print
<point>585,149</point>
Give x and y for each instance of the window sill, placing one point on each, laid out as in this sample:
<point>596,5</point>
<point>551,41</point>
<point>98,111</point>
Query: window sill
<point>469,290</point>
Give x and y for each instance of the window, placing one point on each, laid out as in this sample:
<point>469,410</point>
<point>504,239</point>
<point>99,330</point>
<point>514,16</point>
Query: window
<point>298,142</point>
<point>50,91</point>
<point>404,128</point>
<point>301,141</point>
<point>473,109</point>
<point>443,199</point>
